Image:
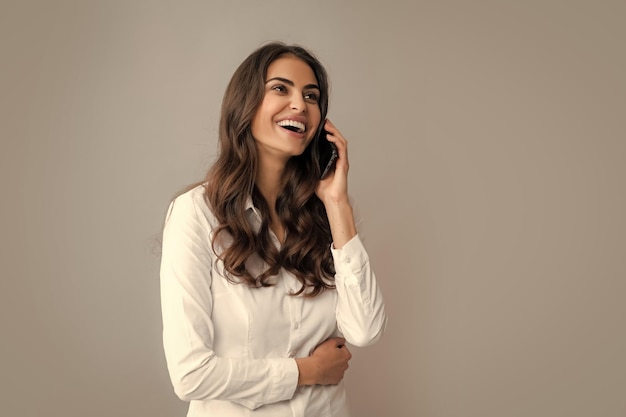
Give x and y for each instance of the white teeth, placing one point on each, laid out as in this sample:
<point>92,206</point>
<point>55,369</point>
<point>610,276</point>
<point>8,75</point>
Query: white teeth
<point>298,125</point>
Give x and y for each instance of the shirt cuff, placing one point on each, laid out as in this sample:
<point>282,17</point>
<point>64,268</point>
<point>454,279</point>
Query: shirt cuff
<point>351,258</point>
<point>286,373</point>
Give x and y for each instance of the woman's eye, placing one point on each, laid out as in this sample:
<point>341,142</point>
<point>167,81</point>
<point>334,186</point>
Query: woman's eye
<point>311,97</point>
<point>280,88</point>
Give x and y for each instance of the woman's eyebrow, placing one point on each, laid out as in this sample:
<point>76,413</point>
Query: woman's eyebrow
<point>291,83</point>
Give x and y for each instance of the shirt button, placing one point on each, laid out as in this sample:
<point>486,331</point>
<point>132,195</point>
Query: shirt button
<point>296,325</point>
<point>348,259</point>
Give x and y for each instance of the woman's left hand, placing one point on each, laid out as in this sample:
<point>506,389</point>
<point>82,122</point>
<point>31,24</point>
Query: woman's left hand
<point>334,188</point>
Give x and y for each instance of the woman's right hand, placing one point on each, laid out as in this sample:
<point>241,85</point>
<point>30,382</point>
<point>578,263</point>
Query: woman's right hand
<point>326,365</point>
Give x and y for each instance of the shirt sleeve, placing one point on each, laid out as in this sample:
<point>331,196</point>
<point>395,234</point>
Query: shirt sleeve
<point>361,316</point>
<point>196,372</point>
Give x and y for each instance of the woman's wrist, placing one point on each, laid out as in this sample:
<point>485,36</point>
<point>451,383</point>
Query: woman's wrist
<point>307,371</point>
<point>341,220</point>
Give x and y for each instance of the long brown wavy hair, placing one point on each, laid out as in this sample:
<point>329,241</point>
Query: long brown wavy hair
<point>230,183</point>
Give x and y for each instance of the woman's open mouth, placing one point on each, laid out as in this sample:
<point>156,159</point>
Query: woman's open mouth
<point>292,125</point>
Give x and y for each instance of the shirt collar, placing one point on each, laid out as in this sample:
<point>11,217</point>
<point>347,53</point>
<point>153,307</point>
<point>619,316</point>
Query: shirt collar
<point>250,206</point>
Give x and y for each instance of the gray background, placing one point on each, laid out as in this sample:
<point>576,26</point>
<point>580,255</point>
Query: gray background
<point>487,157</point>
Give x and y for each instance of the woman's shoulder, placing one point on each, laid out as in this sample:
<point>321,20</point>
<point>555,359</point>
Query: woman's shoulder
<point>195,192</point>
<point>192,202</point>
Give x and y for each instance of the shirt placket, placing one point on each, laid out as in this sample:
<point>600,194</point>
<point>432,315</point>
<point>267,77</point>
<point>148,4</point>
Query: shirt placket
<point>295,313</point>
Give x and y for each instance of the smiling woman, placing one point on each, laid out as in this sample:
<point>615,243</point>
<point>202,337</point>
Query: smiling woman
<point>285,123</point>
<point>263,277</point>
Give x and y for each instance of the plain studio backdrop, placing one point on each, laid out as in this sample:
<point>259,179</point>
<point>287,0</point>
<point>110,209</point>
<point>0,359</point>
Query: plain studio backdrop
<point>487,154</point>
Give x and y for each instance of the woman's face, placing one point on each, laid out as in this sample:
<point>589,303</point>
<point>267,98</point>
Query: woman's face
<point>287,118</point>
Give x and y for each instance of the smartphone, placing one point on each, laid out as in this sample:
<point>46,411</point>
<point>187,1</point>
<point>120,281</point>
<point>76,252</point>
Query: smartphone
<point>328,155</point>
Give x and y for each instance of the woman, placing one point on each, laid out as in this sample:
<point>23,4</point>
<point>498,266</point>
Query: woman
<point>263,275</point>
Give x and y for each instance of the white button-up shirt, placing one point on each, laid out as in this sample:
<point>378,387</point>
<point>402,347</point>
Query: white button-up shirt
<point>230,348</point>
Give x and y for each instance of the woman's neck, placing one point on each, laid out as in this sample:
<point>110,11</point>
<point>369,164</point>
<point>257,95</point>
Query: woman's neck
<point>269,179</point>
<point>269,183</point>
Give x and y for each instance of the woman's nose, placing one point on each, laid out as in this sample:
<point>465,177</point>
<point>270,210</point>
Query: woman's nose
<point>297,103</point>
